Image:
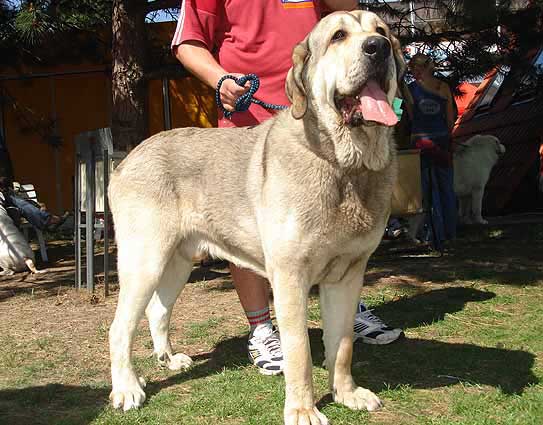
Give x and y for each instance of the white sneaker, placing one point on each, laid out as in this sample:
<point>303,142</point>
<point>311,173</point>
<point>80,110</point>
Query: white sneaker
<point>372,330</point>
<point>264,349</point>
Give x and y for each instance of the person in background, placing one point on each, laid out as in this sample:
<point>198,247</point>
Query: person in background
<point>36,216</point>
<point>432,117</point>
<point>215,38</point>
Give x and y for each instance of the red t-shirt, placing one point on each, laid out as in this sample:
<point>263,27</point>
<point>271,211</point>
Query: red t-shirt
<point>250,36</point>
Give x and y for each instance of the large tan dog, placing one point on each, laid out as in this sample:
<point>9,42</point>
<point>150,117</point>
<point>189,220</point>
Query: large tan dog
<point>473,162</point>
<point>301,199</point>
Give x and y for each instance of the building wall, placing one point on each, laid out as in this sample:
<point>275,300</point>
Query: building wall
<point>80,102</point>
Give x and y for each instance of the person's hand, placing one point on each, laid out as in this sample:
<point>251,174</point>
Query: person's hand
<point>230,91</point>
<point>424,144</point>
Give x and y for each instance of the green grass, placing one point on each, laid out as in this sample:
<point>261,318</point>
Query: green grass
<point>472,353</point>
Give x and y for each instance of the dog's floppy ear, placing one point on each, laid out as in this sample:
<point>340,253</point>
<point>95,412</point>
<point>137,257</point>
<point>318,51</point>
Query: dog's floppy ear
<point>294,84</point>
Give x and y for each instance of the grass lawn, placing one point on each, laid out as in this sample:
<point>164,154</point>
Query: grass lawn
<point>473,350</point>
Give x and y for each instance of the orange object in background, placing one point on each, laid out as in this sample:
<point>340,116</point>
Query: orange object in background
<point>468,91</point>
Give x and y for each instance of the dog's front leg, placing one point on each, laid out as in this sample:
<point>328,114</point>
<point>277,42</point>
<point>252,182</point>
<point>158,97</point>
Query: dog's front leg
<point>290,298</point>
<point>338,308</point>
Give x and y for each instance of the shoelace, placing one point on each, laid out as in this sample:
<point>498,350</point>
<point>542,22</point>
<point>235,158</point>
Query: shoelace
<point>370,317</point>
<point>273,344</point>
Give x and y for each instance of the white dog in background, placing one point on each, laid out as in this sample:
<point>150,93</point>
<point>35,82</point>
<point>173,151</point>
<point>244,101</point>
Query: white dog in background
<point>16,255</point>
<point>473,162</point>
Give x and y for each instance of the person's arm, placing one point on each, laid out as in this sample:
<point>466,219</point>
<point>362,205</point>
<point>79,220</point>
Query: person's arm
<point>407,99</point>
<point>341,4</point>
<point>450,107</point>
<point>199,61</point>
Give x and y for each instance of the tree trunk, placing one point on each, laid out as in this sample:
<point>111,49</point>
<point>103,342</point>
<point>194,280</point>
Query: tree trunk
<point>129,90</point>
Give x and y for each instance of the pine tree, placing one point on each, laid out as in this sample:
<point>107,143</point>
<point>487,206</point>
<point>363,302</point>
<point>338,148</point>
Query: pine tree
<point>63,31</point>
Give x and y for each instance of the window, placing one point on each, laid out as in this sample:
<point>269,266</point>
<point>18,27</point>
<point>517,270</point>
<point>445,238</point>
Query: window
<point>527,88</point>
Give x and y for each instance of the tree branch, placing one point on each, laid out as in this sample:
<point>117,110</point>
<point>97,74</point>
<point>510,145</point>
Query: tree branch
<point>162,4</point>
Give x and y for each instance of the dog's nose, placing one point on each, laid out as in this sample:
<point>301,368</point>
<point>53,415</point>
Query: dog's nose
<point>376,47</point>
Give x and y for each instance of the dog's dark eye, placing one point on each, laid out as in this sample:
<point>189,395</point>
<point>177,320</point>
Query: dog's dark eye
<point>339,35</point>
<point>381,31</point>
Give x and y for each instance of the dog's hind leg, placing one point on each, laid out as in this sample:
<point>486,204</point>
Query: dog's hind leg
<point>338,307</point>
<point>142,259</point>
<point>477,205</point>
<point>160,308</point>
<point>465,209</point>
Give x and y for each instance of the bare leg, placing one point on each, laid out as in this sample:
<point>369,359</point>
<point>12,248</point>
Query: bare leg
<point>253,290</point>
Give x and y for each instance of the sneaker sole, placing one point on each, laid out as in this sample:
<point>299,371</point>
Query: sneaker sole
<point>265,371</point>
<point>269,372</point>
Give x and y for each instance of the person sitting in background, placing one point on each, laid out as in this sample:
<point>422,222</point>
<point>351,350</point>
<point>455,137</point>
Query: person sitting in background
<point>36,216</point>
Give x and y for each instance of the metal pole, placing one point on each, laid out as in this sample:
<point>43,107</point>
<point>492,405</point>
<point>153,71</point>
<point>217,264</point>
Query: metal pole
<point>89,215</point>
<point>106,162</point>
<point>412,17</point>
<point>56,149</point>
<point>77,230</point>
<point>166,103</point>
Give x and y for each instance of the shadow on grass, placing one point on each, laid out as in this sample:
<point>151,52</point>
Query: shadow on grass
<point>414,362</point>
<point>52,404</point>
<point>480,253</point>
<point>429,307</point>
<point>47,283</point>
<point>417,363</point>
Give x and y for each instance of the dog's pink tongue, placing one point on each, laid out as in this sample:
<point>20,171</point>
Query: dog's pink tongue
<point>374,105</point>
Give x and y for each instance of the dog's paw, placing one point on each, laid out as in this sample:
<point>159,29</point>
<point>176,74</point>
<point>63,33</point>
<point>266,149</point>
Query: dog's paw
<point>305,417</point>
<point>179,361</point>
<point>481,221</point>
<point>359,399</point>
<point>128,396</point>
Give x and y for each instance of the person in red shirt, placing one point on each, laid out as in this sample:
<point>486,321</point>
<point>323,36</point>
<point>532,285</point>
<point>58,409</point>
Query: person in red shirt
<point>238,37</point>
